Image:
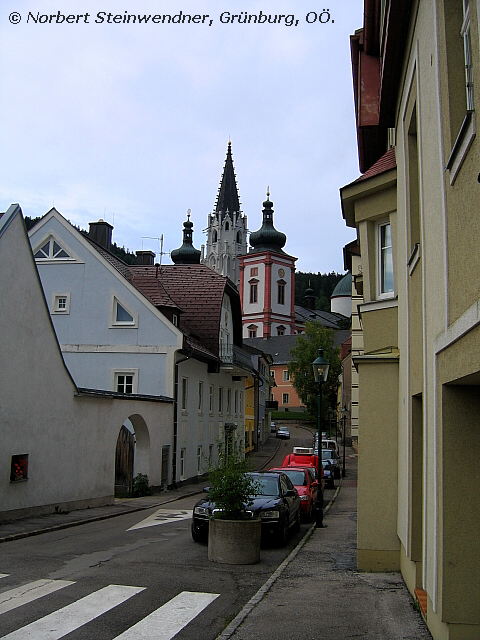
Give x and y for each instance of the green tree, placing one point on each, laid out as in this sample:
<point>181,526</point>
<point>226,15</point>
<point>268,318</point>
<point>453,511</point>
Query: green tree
<point>302,355</point>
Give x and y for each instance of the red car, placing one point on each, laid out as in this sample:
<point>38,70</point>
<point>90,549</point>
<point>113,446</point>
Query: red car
<point>304,481</point>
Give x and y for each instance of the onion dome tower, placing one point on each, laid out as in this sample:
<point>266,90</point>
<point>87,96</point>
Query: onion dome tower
<point>267,238</point>
<point>186,254</point>
<point>267,282</point>
<point>227,226</point>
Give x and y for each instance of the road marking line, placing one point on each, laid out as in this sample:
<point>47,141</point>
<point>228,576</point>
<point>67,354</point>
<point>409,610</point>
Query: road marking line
<point>28,592</point>
<point>3,575</point>
<point>163,516</point>
<point>65,620</point>
<point>165,622</point>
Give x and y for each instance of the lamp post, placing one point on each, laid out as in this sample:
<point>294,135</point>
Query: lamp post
<point>320,371</point>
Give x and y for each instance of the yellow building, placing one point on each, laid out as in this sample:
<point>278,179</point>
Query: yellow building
<point>416,70</point>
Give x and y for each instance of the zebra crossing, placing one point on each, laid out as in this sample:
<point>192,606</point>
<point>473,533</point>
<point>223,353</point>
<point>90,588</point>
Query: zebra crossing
<point>164,623</point>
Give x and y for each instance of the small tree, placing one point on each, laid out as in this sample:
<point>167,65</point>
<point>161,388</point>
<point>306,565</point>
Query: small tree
<point>230,488</point>
<point>300,367</point>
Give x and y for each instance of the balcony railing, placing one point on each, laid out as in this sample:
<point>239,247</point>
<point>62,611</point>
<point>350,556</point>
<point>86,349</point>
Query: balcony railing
<point>234,356</point>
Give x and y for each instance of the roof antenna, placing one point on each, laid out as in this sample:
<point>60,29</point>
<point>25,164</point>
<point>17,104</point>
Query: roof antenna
<point>160,244</point>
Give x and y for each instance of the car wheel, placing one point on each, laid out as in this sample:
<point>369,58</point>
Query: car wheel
<point>197,536</point>
<point>282,536</point>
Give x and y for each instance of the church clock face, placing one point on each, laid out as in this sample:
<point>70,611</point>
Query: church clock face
<point>281,273</point>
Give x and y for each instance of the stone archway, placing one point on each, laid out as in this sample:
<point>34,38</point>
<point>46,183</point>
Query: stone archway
<point>132,454</point>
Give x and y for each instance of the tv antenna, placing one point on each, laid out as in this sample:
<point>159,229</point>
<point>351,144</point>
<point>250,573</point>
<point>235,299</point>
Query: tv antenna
<point>160,245</point>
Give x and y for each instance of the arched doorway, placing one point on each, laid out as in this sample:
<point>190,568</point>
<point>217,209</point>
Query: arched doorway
<point>132,454</point>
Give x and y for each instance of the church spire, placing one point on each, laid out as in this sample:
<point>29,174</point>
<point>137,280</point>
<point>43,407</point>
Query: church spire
<point>186,254</point>
<point>227,199</point>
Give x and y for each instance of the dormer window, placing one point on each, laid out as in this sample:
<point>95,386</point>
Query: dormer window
<point>122,317</point>
<point>51,250</point>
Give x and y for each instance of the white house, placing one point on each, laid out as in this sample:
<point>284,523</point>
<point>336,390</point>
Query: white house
<point>148,331</point>
<point>57,442</point>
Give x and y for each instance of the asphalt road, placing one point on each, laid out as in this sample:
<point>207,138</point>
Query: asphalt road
<point>101,579</point>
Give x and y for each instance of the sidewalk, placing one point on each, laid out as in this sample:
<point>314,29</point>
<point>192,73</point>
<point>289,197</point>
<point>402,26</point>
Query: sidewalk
<point>35,525</point>
<point>317,594</point>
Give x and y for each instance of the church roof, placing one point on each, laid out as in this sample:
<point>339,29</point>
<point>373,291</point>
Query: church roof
<point>327,319</point>
<point>279,347</point>
<point>227,198</point>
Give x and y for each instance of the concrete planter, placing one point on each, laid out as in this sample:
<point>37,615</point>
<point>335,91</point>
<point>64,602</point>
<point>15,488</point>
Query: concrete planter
<point>234,541</point>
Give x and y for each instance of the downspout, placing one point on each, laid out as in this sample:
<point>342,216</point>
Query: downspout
<point>175,421</point>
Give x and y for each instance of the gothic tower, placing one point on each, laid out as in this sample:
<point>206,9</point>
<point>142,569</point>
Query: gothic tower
<point>267,282</point>
<point>227,227</point>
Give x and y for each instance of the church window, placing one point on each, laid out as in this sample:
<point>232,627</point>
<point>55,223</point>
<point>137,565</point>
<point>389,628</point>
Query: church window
<point>281,291</point>
<point>280,330</point>
<point>214,236</point>
<point>51,250</point>
<point>227,226</point>
<point>239,237</point>
<point>252,331</point>
<point>254,271</point>
<point>253,292</point>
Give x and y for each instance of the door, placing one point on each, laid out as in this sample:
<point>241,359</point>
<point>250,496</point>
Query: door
<point>165,463</point>
<point>124,456</point>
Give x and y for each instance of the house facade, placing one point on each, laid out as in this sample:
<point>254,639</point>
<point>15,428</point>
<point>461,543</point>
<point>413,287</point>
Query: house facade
<point>149,331</point>
<point>416,67</point>
<point>58,441</point>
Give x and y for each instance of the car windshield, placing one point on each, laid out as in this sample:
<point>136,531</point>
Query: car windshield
<point>297,477</point>
<point>267,485</point>
<point>327,454</point>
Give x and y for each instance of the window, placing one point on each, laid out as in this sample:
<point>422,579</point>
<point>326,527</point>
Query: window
<point>184,393</point>
<point>121,316</point>
<point>272,374</point>
<point>467,52</point>
<point>227,226</point>
<point>220,400</point>
<point>19,467</point>
<point>61,303</point>
<point>210,398</point>
<point>253,292</point>
<point>51,250</point>
<point>281,291</point>
<point>235,402</point>
<point>175,320</point>
<point>280,330</point>
<point>385,260</point>
<point>229,401</point>
<point>199,460</point>
<point>182,463</point>
<point>200,395</point>
<point>125,382</point>
<point>286,375</point>
<point>252,331</point>
<point>214,236</point>
<point>285,398</point>
<point>210,455</point>
<point>254,271</point>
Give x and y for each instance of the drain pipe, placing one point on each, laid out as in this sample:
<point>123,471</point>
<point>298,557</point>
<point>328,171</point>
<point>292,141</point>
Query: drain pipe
<point>175,421</point>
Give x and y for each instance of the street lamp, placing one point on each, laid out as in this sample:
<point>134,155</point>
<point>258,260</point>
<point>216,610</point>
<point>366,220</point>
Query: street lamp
<point>320,371</point>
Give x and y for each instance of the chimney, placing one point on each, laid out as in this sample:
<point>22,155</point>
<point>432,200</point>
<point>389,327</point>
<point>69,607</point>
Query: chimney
<point>145,258</point>
<point>101,232</point>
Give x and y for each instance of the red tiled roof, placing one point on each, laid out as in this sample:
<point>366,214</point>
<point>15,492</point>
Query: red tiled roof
<point>385,163</point>
<point>147,280</point>
<point>196,289</point>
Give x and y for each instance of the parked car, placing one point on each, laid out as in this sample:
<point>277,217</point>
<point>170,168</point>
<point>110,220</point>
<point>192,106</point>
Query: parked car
<point>277,505</point>
<point>273,427</point>
<point>306,484</point>
<point>283,432</point>
<point>331,467</point>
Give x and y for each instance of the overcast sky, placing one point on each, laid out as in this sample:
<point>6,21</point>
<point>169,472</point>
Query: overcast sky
<point>130,122</point>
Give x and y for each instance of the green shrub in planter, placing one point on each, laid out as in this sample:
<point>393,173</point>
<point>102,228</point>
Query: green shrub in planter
<point>230,489</point>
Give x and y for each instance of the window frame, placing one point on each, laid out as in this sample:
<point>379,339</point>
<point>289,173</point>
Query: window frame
<point>380,293</point>
<point>56,309</point>
<point>52,256</point>
<point>126,372</point>
<point>253,292</point>
<point>287,400</point>
<point>122,324</point>
<point>281,287</point>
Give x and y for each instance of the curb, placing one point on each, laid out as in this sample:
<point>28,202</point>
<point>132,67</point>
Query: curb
<point>76,523</point>
<point>228,632</point>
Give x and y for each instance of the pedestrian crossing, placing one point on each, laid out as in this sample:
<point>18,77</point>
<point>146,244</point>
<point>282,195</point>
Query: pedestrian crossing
<point>164,623</point>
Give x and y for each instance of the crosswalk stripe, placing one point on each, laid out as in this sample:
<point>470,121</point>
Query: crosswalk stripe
<point>65,620</point>
<point>165,622</point>
<point>28,592</point>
